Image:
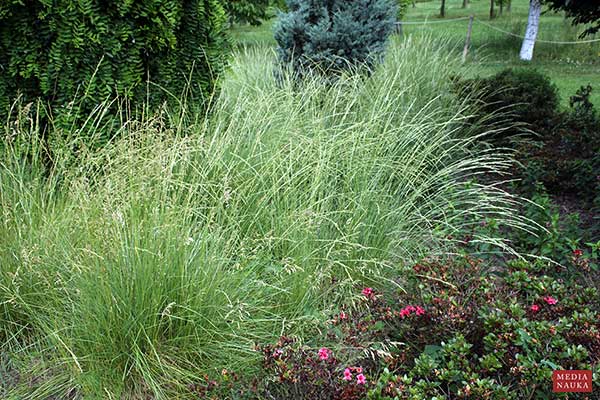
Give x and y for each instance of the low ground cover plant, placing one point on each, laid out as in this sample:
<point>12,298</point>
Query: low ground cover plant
<point>454,331</point>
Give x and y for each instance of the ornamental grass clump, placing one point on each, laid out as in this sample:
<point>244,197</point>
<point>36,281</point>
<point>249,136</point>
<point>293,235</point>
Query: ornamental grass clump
<point>167,255</point>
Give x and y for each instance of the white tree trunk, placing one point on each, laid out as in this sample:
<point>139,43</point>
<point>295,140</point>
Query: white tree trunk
<point>533,23</point>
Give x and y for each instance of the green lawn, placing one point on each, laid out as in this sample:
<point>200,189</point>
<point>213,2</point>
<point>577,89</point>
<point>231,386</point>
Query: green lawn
<point>569,66</point>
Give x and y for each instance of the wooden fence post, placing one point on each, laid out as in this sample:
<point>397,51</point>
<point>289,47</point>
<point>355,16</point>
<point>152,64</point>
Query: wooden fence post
<point>468,41</point>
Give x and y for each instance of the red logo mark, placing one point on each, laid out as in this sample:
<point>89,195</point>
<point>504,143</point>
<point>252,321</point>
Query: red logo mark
<point>572,381</point>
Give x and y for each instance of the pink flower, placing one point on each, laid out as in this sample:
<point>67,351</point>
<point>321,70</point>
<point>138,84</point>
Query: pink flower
<point>347,375</point>
<point>550,300</point>
<point>577,252</point>
<point>324,353</point>
<point>343,315</point>
<point>406,311</point>
<point>360,378</point>
<point>535,308</point>
<point>358,370</point>
<point>368,292</point>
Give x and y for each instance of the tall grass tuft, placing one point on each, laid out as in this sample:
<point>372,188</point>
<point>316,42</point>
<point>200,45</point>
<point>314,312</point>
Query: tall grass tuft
<point>136,269</point>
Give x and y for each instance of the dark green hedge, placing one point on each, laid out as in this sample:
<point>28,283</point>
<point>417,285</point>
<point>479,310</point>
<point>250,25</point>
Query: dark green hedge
<point>91,50</point>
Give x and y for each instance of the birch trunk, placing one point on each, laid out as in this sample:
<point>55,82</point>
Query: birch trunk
<point>533,23</point>
<point>465,3</point>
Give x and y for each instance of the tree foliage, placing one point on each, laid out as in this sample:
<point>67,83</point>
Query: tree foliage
<point>332,35</point>
<point>247,11</point>
<point>403,8</point>
<point>91,50</point>
<point>582,12</point>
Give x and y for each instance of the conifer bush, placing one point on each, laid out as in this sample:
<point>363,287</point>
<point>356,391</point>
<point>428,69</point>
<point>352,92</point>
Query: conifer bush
<point>333,35</point>
<point>89,51</point>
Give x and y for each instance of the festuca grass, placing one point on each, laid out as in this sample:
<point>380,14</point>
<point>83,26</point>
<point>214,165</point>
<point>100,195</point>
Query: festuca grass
<point>136,269</point>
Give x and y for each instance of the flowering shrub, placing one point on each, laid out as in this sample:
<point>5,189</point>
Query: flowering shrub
<point>505,338</point>
<point>440,370</point>
<point>454,332</point>
<point>451,295</point>
<point>300,372</point>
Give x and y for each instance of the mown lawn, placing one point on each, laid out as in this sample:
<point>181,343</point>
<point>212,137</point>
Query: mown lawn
<point>569,66</point>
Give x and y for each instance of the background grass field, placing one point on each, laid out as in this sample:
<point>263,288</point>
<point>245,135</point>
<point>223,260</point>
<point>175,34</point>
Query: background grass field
<point>569,66</point>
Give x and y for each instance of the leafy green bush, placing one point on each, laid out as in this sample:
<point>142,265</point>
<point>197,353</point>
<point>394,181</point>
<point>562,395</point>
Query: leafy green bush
<point>557,238</point>
<point>85,52</point>
<point>567,158</point>
<point>569,239</point>
<point>333,35</point>
<point>516,96</point>
<point>247,11</point>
